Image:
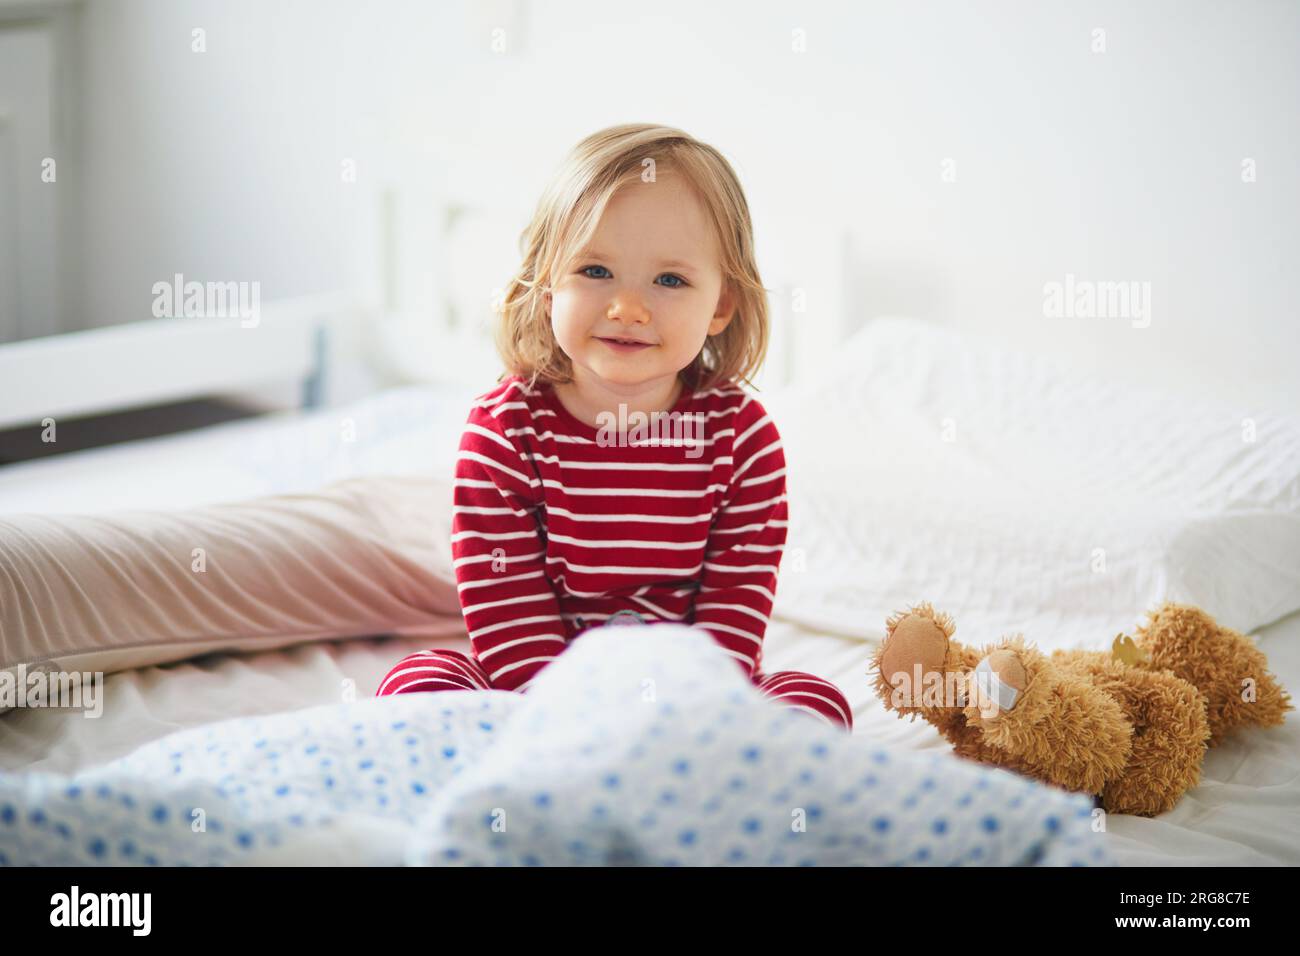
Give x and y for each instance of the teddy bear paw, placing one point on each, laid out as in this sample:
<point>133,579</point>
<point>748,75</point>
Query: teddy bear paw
<point>916,645</point>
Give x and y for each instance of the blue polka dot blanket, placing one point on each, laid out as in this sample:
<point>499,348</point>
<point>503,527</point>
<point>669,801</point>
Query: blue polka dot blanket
<point>637,746</point>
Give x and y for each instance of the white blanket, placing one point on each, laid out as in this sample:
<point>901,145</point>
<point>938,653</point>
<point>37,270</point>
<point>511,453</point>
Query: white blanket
<point>623,751</point>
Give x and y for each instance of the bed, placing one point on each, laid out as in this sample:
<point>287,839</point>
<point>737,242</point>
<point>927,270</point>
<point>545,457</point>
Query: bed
<point>1246,811</point>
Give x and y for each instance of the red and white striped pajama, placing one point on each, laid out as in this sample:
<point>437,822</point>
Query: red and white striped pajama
<point>559,525</point>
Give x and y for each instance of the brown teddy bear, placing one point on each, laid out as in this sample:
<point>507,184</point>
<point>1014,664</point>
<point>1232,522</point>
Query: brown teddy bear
<point>1131,726</point>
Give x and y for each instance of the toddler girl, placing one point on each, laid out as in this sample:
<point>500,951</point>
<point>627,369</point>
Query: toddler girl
<point>619,473</point>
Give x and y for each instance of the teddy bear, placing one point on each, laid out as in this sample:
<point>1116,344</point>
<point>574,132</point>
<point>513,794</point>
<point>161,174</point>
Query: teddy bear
<point>1130,727</point>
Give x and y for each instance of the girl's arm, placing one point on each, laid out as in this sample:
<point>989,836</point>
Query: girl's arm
<point>738,585</point>
<point>510,607</point>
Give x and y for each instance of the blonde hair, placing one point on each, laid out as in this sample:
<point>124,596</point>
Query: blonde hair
<point>566,219</point>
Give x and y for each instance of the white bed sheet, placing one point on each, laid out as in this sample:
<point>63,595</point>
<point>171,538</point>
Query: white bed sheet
<point>402,431</point>
<point>1246,811</point>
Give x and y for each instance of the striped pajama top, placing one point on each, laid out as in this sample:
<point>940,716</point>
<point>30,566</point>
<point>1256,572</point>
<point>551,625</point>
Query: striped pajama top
<point>559,525</point>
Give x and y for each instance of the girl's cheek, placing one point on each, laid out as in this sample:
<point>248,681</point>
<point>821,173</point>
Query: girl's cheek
<point>573,303</point>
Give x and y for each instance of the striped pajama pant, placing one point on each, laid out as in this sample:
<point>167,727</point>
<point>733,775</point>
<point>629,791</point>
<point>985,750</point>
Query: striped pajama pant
<point>443,669</point>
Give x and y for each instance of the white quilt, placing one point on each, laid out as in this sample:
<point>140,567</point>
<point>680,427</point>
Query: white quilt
<point>624,751</point>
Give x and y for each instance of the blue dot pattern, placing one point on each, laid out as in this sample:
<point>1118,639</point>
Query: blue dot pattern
<point>623,752</point>
<point>339,784</point>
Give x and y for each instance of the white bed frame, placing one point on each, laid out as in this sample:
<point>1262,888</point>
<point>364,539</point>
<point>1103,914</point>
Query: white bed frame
<point>164,360</point>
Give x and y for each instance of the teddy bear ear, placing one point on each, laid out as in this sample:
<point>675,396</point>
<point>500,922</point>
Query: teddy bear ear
<point>1127,652</point>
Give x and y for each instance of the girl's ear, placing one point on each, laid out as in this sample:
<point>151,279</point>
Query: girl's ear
<point>725,312</point>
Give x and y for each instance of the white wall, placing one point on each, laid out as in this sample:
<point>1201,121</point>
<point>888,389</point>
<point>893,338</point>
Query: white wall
<point>215,164</point>
<point>35,191</point>
<point>1113,166</point>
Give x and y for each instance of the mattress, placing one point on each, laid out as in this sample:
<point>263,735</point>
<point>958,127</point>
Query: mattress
<point>1246,811</point>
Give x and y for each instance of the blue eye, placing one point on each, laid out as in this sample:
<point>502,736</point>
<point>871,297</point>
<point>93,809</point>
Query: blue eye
<point>669,275</point>
<point>585,268</point>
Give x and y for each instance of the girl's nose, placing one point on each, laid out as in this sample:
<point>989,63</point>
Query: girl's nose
<point>627,307</point>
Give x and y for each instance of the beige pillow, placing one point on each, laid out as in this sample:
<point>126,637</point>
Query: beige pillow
<point>362,557</point>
